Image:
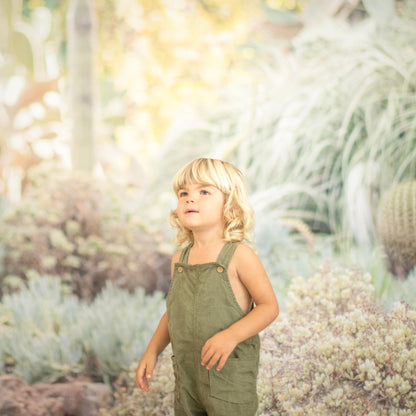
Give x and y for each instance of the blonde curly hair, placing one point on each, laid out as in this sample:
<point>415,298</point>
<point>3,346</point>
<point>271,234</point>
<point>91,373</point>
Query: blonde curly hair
<point>238,213</point>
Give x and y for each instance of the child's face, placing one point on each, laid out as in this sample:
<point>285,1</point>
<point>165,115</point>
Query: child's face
<point>201,207</point>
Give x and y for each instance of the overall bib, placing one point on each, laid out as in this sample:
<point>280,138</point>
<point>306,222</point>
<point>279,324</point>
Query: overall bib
<point>201,303</point>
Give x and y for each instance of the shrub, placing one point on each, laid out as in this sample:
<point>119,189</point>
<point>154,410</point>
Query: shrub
<point>79,229</point>
<point>41,339</point>
<point>336,352</point>
<point>50,335</point>
<point>118,326</point>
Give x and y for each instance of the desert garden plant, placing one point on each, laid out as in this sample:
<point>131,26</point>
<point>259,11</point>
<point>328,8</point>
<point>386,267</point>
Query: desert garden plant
<point>40,338</point>
<point>117,327</point>
<point>83,231</point>
<point>328,129</point>
<point>397,227</point>
<point>47,334</point>
<point>337,352</point>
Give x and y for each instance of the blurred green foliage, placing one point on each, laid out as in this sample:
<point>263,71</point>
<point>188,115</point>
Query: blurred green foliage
<point>48,335</point>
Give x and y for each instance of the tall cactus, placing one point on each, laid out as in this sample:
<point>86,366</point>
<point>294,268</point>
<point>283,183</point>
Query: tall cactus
<point>397,227</point>
<point>81,46</point>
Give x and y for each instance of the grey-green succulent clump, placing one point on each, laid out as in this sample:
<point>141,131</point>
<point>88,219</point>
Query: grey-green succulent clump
<point>397,227</point>
<point>48,335</point>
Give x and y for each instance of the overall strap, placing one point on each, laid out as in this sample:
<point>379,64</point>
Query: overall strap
<point>185,254</point>
<point>226,253</point>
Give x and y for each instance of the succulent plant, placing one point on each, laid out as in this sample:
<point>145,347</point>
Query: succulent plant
<point>396,226</point>
<point>336,352</point>
<point>47,334</point>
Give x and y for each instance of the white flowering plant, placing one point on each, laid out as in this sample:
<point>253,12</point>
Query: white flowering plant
<point>337,352</point>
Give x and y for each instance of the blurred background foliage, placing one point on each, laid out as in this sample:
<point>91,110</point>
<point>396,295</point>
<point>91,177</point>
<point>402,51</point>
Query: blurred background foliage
<point>314,100</point>
<point>152,58</point>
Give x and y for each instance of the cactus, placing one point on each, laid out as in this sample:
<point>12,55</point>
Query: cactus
<point>396,227</point>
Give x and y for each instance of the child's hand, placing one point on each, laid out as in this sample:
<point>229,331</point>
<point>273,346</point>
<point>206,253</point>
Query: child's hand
<point>144,371</point>
<point>217,348</point>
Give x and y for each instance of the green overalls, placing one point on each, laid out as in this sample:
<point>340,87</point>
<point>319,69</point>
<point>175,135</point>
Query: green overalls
<point>201,303</point>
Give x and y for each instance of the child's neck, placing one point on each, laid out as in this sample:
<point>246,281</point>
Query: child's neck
<point>205,250</point>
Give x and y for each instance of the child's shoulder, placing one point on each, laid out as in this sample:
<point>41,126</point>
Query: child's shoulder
<point>244,248</point>
<point>246,261</point>
<point>244,251</point>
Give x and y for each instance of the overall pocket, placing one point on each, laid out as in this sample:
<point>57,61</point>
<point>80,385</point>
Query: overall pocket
<point>236,382</point>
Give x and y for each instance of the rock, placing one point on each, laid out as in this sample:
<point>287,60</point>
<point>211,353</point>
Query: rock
<point>9,407</point>
<point>9,382</point>
<point>94,397</point>
<point>76,398</point>
<point>80,398</point>
<point>19,399</point>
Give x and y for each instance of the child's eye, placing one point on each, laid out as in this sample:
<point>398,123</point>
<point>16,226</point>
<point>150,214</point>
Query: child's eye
<point>204,192</point>
<point>182,194</point>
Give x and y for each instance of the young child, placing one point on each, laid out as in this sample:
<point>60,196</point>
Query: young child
<point>220,297</point>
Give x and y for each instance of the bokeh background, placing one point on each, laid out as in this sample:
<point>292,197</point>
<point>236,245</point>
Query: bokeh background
<point>102,101</point>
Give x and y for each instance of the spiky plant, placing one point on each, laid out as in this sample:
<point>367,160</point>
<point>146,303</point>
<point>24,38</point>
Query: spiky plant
<point>46,334</point>
<point>397,227</point>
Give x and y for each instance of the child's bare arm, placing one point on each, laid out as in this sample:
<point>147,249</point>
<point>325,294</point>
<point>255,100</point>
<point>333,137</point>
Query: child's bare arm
<point>252,274</point>
<point>157,344</point>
